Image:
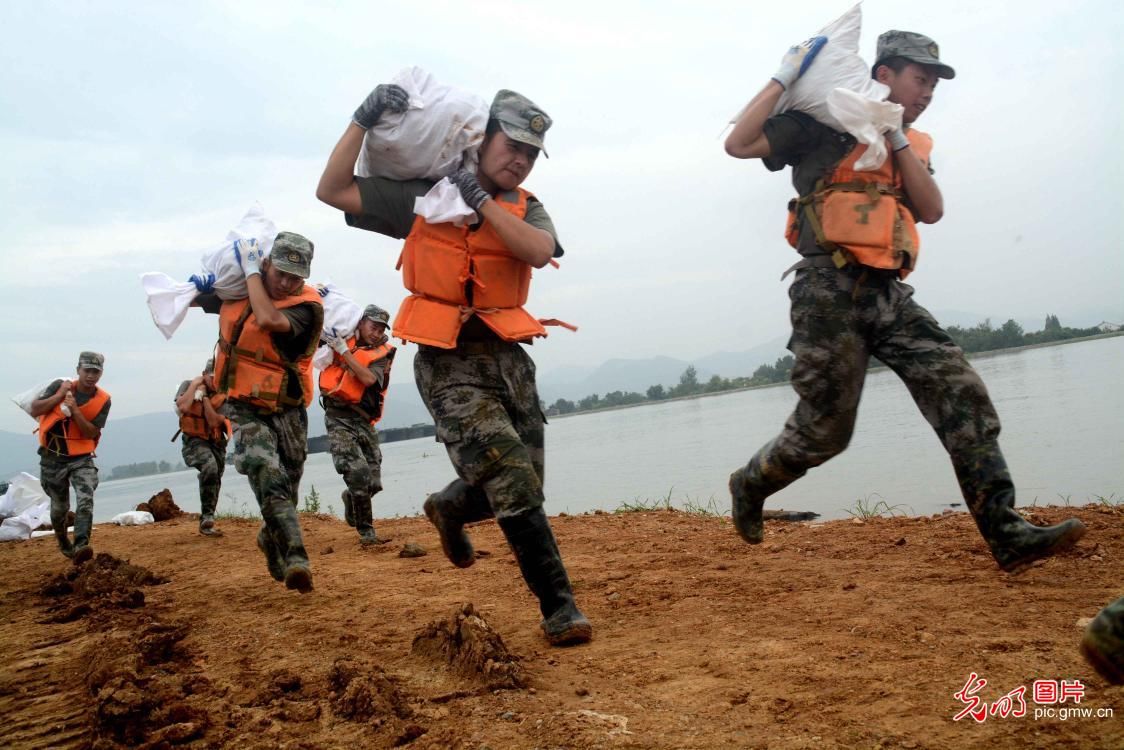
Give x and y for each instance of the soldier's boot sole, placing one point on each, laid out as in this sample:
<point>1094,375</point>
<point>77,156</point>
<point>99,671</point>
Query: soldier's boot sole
<point>299,578</point>
<point>1039,542</point>
<point>567,627</point>
<point>272,558</point>
<point>747,513</point>
<point>83,554</point>
<point>454,541</point>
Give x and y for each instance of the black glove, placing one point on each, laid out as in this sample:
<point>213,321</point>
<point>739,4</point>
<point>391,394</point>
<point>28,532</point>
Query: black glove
<point>385,97</point>
<point>473,194</point>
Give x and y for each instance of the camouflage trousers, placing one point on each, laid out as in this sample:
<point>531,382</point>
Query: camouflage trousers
<point>486,411</point>
<point>57,476</point>
<point>270,450</point>
<point>354,445</point>
<point>209,459</point>
<point>842,318</point>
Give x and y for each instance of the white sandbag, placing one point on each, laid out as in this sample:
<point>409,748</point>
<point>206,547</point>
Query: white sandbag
<point>443,203</point>
<point>133,518</point>
<point>441,129</point>
<point>14,530</point>
<point>867,120</point>
<point>25,399</point>
<point>169,300</point>
<point>24,492</point>
<point>341,313</point>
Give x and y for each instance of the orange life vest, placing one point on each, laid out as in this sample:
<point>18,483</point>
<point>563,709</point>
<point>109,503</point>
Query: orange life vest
<point>77,444</point>
<point>860,217</point>
<point>193,423</point>
<point>248,366</point>
<point>439,260</point>
<point>339,382</point>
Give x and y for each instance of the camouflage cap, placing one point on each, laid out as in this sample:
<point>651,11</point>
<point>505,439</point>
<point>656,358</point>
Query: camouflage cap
<point>292,253</point>
<point>521,119</point>
<point>914,47</point>
<point>377,314</point>
<point>91,361</point>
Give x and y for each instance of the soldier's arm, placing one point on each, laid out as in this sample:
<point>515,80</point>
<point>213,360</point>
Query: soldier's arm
<point>88,428</point>
<point>363,374</point>
<point>924,195</point>
<point>187,398</point>
<point>337,185</point>
<point>269,318</point>
<point>41,406</point>
<point>747,140</point>
<point>214,419</point>
<point>530,244</point>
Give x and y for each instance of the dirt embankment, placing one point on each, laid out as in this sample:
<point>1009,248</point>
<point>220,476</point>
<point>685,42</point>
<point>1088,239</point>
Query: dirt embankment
<point>834,635</point>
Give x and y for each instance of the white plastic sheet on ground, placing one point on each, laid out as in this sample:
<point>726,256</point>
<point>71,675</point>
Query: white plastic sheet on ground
<point>133,518</point>
<point>341,313</point>
<point>24,507</point>
<point>169,299</point>
<point>24,400</point>
<point>837,90</point>
<point>440,132</point>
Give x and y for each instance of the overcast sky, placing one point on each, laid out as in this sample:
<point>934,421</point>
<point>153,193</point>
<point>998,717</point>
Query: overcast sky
<point>136,134</point>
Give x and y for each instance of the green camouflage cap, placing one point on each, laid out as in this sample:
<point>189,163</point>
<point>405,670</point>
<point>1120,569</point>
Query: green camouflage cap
<point>377,314</point>
<point>914,47</point>
<point>91,360</point>
<point>292,253</point>
<point>520,118</point>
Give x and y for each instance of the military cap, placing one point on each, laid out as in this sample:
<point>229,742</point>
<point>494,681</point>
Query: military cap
<point>521,119</point>
<point>914,47</point>
<point>91,361</point>
<point>377,314</point>
<point>292,253</point>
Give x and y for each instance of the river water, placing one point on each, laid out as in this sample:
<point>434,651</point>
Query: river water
<point>1062,409</point>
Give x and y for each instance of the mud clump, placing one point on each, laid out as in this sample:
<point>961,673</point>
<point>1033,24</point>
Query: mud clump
<point>106,582</point>
<point>363,693</point>
<point>161,506</point>
<point>468,645</point>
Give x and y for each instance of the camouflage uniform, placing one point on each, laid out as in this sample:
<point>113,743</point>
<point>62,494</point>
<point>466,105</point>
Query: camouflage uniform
<point>841,317</point>
<point>1103,642</point>
<point>57,474</point>
<point>354,445</point>
<point>209,459</point>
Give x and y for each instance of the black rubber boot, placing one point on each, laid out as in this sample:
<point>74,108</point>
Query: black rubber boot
<point>348,511</point>
<point>273,560</point>
<point>1103,643</point>
<point>83,525</point>
<point>749,486</point>
<point>449,510</point>
<point>536,550</point>
<point>207,525</point>
<point>364,523</point>
<point>1015,543</point>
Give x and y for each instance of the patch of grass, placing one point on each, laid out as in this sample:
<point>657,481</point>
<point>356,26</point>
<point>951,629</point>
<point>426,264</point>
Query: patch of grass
<point>710,508</point>
<point>311,501</point>
<point>243,511</point>
<point>868,507</point>
<point>1065,499</point>
<point>1111,502</point>
<point>639,506</point>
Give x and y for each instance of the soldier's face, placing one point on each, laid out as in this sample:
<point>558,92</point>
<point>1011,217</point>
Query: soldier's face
<point>371,333</point>
<point>913,88</point>
<point>88,377</point>
<point>280,284</point>
<point>506,161</point>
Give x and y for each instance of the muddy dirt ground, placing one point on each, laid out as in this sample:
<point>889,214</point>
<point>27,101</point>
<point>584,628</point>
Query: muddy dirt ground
<point>834,635</point>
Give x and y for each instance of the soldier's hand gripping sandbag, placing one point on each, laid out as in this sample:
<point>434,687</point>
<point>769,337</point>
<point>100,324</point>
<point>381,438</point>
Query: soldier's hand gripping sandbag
<point>334,339</point>
<point>386,97</point>
<point>797,60</point>
<point>470,189</point>
<point>249,255</point>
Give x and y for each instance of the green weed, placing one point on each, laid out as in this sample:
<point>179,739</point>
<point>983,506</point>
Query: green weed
<point>311,501</point>
<point>868,507</point>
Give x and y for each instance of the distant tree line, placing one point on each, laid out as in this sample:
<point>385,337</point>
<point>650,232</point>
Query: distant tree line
<point>319,444</point>
<point>985,338</point>
<point>144,469</point>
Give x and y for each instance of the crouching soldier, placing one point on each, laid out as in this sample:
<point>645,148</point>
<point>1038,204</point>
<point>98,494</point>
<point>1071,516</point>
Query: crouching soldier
<point>264,368</point>
<point>205,434</point>
<point>352,390</point>
<point>71,416</point>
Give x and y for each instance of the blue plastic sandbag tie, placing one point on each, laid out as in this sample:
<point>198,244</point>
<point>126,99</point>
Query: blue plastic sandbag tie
<point>205,285</point>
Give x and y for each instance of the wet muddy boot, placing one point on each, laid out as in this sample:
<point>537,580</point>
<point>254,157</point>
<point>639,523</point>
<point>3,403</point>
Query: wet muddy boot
<point>348,511</point>
<point>749,486</point>
<point>1015,543</point>
<point>290,544</point>
<point>1103,642</point>
<point>83,524</point>
<point>364,524</point>
<point>449,510</point>
<point>207,525</point>
<point>273,560</point>
<point>536,550</point>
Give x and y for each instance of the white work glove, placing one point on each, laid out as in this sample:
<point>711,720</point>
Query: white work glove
<point>797,60</point>
<point>897,139</point>
<point>200,393</point>
<point>249,256</point>
<point>335,340</point>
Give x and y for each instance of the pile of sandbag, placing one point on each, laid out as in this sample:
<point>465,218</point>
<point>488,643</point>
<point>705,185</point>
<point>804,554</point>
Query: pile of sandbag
<point>23,508</point>
<point>440,132</point>
<point>219,272</point>
<point>838,91</point>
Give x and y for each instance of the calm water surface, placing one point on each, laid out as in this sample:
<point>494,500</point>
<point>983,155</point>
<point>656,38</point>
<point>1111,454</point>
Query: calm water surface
<point>1062,409</point>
